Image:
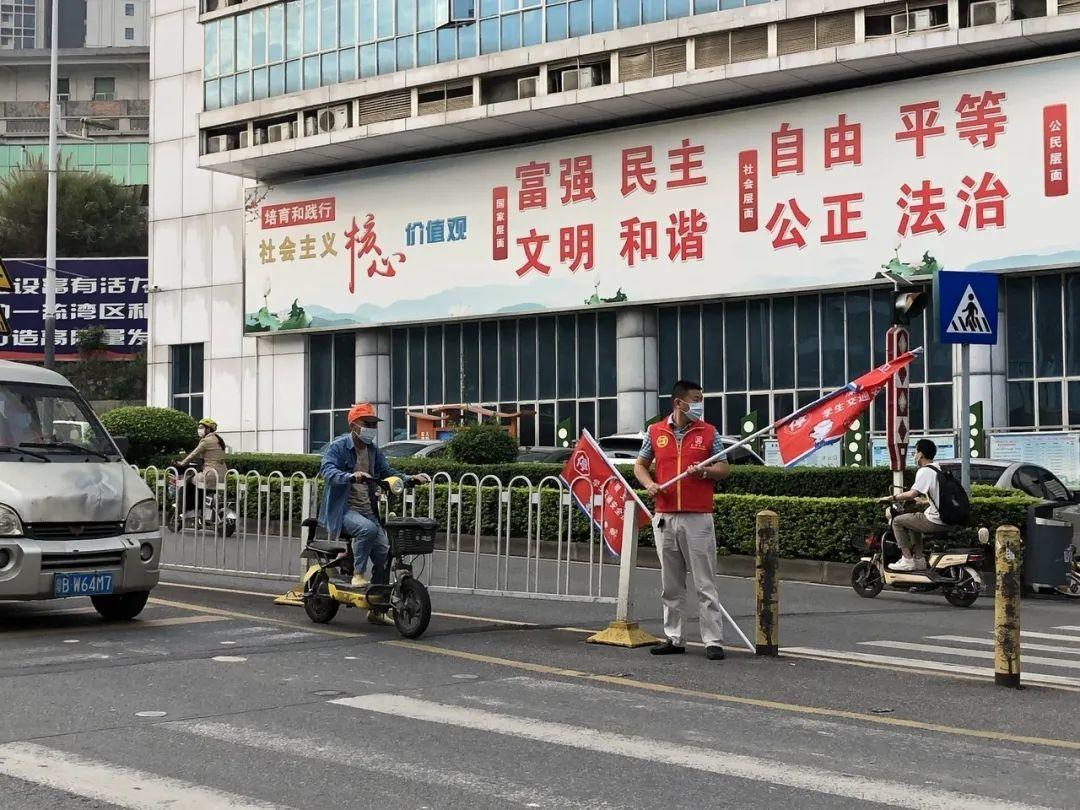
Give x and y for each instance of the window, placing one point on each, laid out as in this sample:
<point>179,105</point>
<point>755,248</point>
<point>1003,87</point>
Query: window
<point>104,88</point>
<point>63,88</point>
<point>129,9</point>
<point>129,33</point>
<point>331,386</point>
<point>187,379</point>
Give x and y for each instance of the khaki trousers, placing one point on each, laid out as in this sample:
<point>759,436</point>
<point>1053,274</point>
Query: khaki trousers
<point>909,529</point>
<point>686,543</point>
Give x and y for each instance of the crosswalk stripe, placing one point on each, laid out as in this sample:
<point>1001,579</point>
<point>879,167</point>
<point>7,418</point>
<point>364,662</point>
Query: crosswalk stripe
<point>965,653</point>
<point>1048,636</point>
<point>103,627</point>
<point>989,642</point>
<point>61,770</point>
<point>1070,627</point>
<point>931,666</point>
<point>359,758</point>
<point>756,769</point>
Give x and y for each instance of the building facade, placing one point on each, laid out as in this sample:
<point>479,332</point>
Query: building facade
<point>27,24</point>
<point>326,198</point>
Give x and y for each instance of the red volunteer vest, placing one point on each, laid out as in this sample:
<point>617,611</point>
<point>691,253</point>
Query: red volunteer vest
<point>672,457</point>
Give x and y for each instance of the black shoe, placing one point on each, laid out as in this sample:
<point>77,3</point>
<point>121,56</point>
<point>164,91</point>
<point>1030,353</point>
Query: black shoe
<point>714,653</point>
<point>667,648</point>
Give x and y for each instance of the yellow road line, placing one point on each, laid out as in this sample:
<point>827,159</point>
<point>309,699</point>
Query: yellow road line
<point>232,614</point>
<point>794,708</point>
<point>148,624</point>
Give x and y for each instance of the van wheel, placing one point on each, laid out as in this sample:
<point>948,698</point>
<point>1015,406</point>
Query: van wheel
<point>120,607</point>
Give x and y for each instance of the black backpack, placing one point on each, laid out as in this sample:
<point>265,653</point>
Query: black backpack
<point>954,506</point>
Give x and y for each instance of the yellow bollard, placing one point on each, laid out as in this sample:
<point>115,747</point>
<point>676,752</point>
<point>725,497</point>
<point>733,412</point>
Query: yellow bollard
<point>1007,607</point>
<point>767,601</point>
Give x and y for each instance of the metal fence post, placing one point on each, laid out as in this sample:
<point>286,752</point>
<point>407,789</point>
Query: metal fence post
<point>295,596</point>
<point>766,592</point>
<point>1007,607</point>
<point>623,632</point>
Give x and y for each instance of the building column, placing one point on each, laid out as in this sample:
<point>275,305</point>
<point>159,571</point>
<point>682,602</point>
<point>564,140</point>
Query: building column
<point>636,367</point>
<point>988,380</point>
<point>373,375</point>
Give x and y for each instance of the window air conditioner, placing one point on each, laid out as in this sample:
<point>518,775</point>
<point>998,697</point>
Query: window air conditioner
<point>526,88</point>
<point>988,12</point>
<point>279,132</point>
<point>912,21</point>
<point>218,143</point>
<point>334,119</point>
<point>578,78</point>
<point>253,138</point>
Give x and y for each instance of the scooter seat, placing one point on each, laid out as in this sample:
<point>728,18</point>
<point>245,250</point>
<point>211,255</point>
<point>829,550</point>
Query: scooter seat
<point>327,547</point>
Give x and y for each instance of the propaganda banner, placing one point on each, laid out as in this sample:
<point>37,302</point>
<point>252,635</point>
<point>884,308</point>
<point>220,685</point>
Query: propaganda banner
<point>589,474</point>
<point>110,293</point>
<point>970,168</point>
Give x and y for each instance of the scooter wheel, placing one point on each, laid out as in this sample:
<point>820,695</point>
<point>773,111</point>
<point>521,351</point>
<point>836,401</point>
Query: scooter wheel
<point>961,597</point>
<point>318,604</point>
<point>866,580</point>
<point>230,527</point>
<point>412,608</point>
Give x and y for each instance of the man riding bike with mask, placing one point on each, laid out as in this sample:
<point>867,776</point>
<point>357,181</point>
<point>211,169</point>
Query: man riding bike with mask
<point>352,464</point>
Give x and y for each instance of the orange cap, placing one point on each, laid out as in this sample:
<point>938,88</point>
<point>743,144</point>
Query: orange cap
<point>362,410</point>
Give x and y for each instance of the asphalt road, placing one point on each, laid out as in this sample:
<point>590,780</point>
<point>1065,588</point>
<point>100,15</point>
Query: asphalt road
<point>217,698</point>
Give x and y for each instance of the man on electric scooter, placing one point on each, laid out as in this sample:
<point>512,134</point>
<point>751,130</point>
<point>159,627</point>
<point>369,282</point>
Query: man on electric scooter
<point>910,527</point>
<point>352,464</point>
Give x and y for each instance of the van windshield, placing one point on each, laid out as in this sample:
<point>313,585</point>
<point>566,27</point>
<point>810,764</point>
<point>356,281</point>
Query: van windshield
<point>51,421</point>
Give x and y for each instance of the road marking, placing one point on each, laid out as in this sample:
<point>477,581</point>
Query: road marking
<point>1070,627</point>
<point>113,784</point>
<point>49,660</point>
<point>963,653</point>
<point>147,624</point>
<point>359,758</point>
<point>232,614</point>
<point>918,663</point>
<point>1049,636</point>
<point>773,772</point>
<point>794,708</point>
<point>989,642</point>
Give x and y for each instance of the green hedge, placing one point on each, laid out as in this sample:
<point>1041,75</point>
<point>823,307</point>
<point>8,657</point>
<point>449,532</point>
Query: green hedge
<point>152,433</point>
<point>744,479</point>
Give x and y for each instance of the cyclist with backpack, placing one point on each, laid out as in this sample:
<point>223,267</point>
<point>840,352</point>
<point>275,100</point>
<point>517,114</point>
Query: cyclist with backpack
<point>910,527</point>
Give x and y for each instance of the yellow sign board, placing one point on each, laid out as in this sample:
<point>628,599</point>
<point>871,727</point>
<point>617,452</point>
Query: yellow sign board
<point>5,280</point>
<point>4,328</point>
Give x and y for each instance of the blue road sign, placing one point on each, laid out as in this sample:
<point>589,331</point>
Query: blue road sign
<point>967,307</point>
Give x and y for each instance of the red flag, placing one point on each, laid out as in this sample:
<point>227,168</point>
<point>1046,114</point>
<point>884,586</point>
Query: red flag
<point>828,419</point>
<point>588,473</point>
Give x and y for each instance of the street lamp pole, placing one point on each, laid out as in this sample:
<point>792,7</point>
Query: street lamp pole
<point>50,225</point>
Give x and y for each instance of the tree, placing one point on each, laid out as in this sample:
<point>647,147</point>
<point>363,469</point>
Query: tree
<point>95,216</point>
<point>98,377</point>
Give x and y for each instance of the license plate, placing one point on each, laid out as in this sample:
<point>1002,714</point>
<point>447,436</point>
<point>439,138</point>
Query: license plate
<point>65,585</point>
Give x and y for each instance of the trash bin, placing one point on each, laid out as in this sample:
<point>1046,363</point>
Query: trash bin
<point>1047,547</point>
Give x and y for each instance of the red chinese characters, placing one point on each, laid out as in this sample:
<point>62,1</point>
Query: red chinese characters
<point>365,244</point>
<point>638,171</point>
<point>533,190</point>
<point>981,118</point>
<point>500,203</point>
<point>787,151</point>
<point>985,200</point>
<point>638,240</point>
<point>301,212</point>
<point>533,244</point>
<point>787,224</point>
<point>843,143</point>
<point>685,163</point>
<point>920,122</point>
<point>748,191</point>
<point>920,208</point>
<point>576,179</point>
<point>686,235</point>
<point>576,247</point>
<point>1056,150</point>
<point>840,217</point>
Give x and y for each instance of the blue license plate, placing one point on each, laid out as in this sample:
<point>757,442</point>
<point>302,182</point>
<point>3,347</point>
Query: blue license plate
<point>65,585</point>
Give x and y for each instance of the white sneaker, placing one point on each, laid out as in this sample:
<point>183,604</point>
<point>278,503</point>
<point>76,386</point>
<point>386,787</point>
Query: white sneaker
<point>903,564</point>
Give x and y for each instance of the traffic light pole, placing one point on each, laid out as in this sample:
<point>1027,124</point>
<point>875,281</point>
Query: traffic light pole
<point>965,418</point>
<point>50,224</point>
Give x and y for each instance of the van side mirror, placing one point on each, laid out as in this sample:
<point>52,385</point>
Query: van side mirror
<point>122,444</point>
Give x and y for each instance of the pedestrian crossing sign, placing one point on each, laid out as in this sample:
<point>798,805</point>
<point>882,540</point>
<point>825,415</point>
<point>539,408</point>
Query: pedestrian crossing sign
<point>967,306</point>
<point>5,279</point>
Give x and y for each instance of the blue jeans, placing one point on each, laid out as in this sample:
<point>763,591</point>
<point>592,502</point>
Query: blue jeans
<point>369,541</point>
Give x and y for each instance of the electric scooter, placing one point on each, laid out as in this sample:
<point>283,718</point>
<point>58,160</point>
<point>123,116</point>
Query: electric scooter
<point>953,571</point>
<point>327,583</point>
<point>214,514</point>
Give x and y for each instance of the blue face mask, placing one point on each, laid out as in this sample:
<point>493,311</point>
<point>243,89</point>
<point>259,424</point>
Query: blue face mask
<point>368,435</point>
<point>695,410</point>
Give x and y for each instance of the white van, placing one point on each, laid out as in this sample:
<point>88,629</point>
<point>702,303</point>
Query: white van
<point>75,518</point>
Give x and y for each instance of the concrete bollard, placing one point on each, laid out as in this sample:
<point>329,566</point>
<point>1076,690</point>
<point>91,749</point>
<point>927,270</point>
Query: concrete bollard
<point>1007,607</point>
<point>766,607</point>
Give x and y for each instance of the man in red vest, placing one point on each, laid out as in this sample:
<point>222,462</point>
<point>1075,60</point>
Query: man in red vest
<point>683,523</point>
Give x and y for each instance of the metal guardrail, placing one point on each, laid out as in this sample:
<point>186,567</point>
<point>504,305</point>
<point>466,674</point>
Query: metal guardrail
<point>516,539</point>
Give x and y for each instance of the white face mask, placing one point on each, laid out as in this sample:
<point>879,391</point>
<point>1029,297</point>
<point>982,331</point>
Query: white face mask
<point>202,432</point>
<point>368,435</point>
<point>694,410</point>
